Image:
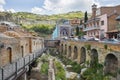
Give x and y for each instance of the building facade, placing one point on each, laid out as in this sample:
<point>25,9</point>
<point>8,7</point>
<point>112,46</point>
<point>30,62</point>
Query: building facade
<point>102,22</point>
<point>16,43</point>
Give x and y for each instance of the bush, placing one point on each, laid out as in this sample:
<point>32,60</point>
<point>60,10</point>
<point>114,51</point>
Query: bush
<point>44,58</point>
<point>95,73</point>
<point>40,28</point>
<point>75,66</point>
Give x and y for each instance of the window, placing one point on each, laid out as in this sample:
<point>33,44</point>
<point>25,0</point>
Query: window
<point>94,33</point>
<point>102,22</point>
<point>9,50</point>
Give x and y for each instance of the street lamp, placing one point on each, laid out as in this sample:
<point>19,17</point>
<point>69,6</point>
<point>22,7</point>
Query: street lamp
<point>118,27</point>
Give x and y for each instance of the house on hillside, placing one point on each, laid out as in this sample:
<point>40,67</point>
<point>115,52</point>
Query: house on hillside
<point>102,22</point>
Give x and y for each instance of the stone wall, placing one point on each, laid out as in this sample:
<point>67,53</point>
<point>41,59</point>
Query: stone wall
<point>107,54</point>
<point>51,73</point>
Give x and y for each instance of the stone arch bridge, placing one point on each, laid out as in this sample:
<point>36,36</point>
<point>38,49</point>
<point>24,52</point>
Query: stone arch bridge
<point>108,54</point>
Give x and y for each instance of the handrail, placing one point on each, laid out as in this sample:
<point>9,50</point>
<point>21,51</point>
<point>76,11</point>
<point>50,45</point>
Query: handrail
<point>12,70</point>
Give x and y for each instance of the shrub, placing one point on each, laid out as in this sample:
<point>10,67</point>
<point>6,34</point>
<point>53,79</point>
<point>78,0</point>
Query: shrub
<point>88,47</point>
<point>105,46</point>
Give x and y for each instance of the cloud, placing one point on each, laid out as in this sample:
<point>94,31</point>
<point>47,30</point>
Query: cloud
<point>63,6</point>
<point>1,8</point>
<point>2,2</point>
<point>108,2</point>
<point>11,10</point>
<point>38,10</point>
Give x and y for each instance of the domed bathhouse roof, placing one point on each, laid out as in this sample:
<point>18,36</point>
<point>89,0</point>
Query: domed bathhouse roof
<point>4,36</point>
<point>12,34</point>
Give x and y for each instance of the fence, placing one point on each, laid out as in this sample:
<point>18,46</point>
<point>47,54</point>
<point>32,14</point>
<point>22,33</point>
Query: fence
<point>11,71</point>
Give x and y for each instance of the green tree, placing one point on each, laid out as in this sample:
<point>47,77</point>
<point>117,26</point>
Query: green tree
<point>85,17</point>
<point>81,33</point>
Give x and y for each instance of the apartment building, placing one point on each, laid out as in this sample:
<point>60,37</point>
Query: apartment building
<point>102,22</point>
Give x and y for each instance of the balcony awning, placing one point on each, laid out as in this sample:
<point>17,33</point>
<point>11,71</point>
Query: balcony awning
<point>118,18</point>
<point>112,31</point>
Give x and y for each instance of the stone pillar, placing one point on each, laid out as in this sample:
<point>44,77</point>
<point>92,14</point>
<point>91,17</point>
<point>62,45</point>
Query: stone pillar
<point>79,56</point>
<point>63,53</point>
<point>88,57</point>
<point>72,52</point>
<point>67,55</point>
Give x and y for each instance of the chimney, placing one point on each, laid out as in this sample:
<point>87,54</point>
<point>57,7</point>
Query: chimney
<point>94,8</point>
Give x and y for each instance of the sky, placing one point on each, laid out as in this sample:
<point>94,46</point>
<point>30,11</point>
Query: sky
<point>53,6</point>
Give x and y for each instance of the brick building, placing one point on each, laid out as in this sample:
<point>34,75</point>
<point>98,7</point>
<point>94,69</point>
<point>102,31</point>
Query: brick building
<point>102,22</point>
<point>16,43</point>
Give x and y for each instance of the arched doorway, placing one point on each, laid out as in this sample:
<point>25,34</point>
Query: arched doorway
<point>22,51</point>
<point>94,58</point>
<point>65,49</point>
<point>83,55</point>
<point>9,51</point>
<point>111,64</point>
<point>69,51</point>
<point>61,48</point>
<point>75,53</point>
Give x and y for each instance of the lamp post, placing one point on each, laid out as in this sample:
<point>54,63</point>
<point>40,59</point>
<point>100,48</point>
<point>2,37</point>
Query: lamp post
<point>118,27</point>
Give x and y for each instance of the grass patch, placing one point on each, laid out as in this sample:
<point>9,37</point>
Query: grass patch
<point>75,66</point>
<point>60,72</point>
<point>44,68</point>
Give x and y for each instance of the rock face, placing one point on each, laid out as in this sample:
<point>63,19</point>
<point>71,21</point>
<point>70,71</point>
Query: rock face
<point>83,70</point>
<point>71,76</point>
<point>68,67</point>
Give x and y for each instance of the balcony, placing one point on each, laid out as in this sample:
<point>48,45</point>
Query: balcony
<point>91,28</point>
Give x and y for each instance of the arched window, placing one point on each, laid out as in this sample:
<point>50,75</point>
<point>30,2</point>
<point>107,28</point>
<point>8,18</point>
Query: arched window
<point>22,51</point>
<point>9,51</point>
<point>111,64</point>
<point>75,53</point>
<point>94,58</point>
<point>83,55</point>
<point>65,49</point>
<point>69,52</point>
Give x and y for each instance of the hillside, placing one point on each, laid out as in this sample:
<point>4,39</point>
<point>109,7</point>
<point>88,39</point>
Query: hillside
<point>69,15</point>
<point>26,20</point>
<point>31,16</point>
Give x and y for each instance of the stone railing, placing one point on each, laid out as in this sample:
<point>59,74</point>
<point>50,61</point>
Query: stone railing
<point>11,71</point>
